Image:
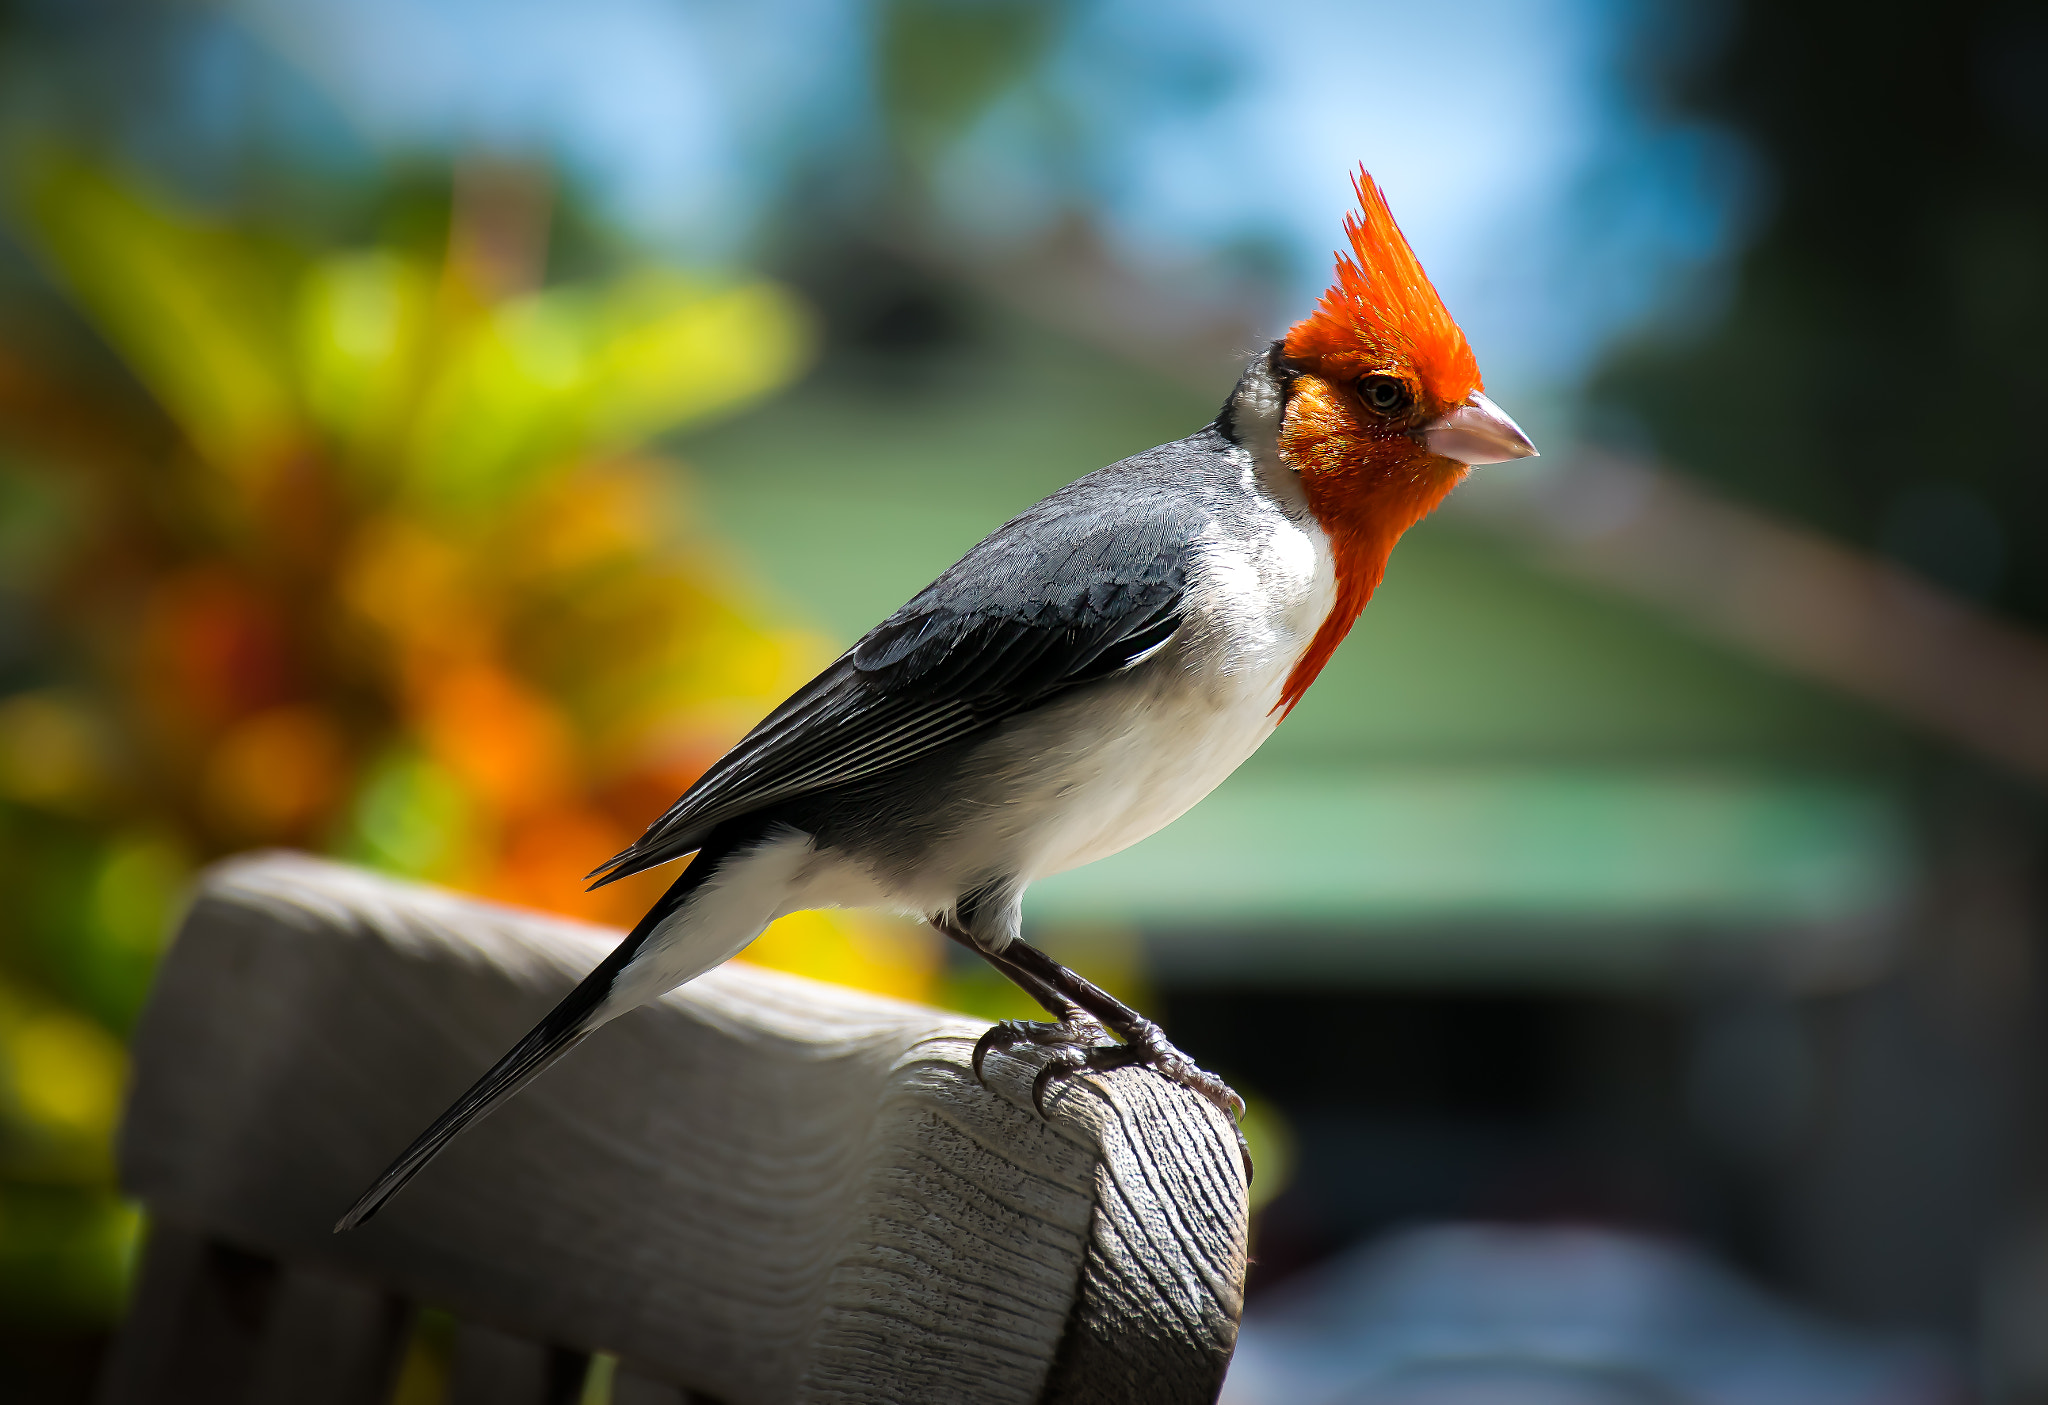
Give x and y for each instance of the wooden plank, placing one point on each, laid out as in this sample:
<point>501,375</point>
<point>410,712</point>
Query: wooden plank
<point>490,1367</point>
<point>329,1341</point>
<point>629,1387</point>
<point>761,1188</point>
<point>1163,1285</point>
<point>196,1324</point>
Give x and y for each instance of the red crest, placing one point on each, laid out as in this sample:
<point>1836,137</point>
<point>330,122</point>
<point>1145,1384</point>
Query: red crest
<point>1383,314</point>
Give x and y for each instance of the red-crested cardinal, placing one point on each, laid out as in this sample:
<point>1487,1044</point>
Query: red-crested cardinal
<point>1075,682</point>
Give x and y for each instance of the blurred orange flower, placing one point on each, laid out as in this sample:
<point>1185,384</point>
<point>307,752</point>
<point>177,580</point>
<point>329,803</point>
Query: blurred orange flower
<point>386,570</point>
<point>272,775</point>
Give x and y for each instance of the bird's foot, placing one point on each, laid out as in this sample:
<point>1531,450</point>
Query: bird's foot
<point>1147,1046</point>
<point>1078,1044</point>
<point>1080,1041</point>
<point>1069,1041</point>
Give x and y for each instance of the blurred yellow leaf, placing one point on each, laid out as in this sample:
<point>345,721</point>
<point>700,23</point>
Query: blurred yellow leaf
<point>140,883</point>
<point>190,306</point>
<point>1270,1139</point>
<point>50,751</point>
<point>61,1077</point>
<point>676,352</point>
<point>890,956</point>
<point>363,321</point>
<point>67,1072</point>
<point>569,371</point>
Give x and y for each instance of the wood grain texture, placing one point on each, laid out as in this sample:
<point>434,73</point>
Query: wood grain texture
<point>761,1188</point>
<point>1162,1285</point>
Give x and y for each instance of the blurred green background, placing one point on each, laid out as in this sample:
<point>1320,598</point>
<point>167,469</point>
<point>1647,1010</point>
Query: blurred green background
<point>429,432</point>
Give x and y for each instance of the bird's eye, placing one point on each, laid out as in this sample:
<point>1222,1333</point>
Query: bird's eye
<point>1386,394</point>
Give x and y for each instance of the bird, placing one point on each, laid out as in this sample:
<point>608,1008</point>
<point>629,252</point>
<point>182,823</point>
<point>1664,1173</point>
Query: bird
<point>1075,682</point>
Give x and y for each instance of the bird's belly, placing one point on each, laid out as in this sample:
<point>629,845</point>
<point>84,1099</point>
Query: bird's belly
<point>1141,782</point>
<point>1177,730</point>
<point>1096,773</point>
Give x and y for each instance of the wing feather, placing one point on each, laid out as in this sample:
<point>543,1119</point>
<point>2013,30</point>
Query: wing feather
<point>1068,593</point>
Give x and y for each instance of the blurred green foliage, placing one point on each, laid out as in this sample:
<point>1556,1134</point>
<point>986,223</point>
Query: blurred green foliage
<point>355,548</point>
<point>940,64</point>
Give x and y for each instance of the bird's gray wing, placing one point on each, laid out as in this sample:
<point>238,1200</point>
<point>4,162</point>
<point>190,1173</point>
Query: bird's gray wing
<point>1086,583</point>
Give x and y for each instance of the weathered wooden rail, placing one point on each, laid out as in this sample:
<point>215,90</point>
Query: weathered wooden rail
<point>759,1189</point>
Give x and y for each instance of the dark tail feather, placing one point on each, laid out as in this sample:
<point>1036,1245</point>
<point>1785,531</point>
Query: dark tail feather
<point>511,1073</point>
<point>546,1042</point>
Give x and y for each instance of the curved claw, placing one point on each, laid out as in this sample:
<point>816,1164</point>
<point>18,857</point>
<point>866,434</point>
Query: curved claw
<point>1054,1068</point>
<point>1225,1097</point>
<point>1064,1064</point>
<point>983,1045</point>
<point>1078,1032</point>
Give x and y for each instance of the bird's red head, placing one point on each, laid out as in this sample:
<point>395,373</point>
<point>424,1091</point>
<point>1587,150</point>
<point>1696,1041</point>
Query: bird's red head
<point>1382,318</point>
<point>1384,414</point>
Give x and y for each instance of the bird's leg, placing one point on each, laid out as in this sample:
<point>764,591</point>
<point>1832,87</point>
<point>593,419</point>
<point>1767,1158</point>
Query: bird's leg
<point>1079,1041</point>
<point>1073,1032</point>
<point>1143,1041</point>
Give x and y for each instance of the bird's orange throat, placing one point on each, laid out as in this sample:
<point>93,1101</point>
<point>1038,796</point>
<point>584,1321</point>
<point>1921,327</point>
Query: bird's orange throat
<point>1366,486</point>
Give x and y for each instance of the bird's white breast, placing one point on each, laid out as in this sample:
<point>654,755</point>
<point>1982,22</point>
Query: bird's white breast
<point>1136,752</point>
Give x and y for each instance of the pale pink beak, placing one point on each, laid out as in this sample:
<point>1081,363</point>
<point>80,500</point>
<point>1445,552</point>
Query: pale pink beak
<point>1478,431</point>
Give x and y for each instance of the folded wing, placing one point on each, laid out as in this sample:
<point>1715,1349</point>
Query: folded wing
<point>1062,596</point>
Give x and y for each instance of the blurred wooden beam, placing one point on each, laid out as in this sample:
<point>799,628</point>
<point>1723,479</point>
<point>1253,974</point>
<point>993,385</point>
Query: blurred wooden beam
<point>1798,600</point>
